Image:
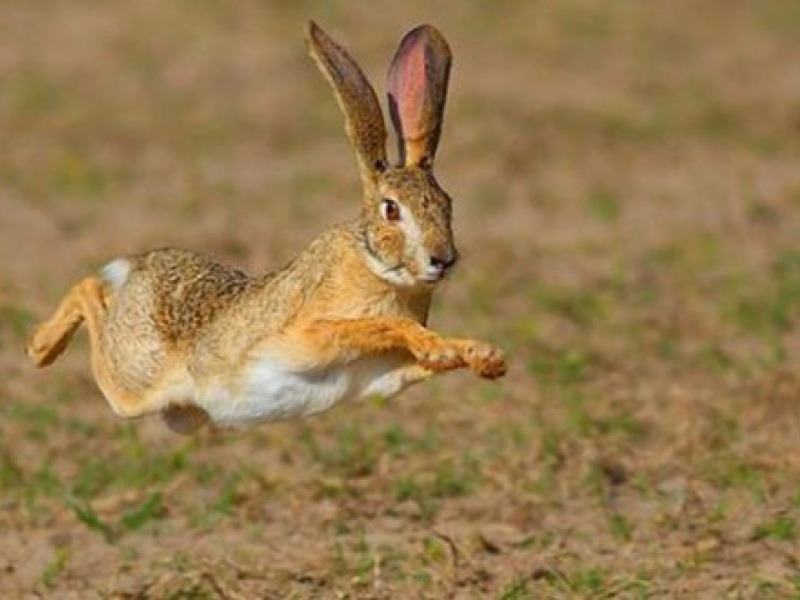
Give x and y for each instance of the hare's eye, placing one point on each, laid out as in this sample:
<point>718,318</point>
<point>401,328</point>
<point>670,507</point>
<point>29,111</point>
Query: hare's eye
<point>390,210</point>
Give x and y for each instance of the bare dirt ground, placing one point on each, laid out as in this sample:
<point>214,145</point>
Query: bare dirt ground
<point>627,195</point>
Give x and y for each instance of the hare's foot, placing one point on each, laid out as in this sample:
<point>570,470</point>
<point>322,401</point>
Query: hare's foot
<point>437,355</point>
<point>50,340</point>
<point>84,300</point>
<point>483,359</point>
<point>184,419</point>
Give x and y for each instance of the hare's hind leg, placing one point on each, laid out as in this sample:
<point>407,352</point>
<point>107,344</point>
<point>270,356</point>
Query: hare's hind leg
<point>52,337</point>
<point>87,302</point>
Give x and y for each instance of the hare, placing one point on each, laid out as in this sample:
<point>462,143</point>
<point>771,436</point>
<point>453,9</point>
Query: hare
<point>174,332</point>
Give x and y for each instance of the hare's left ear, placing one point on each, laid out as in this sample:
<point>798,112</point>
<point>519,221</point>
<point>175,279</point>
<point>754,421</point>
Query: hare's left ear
<point>417,83</point>
<point>362,112</point>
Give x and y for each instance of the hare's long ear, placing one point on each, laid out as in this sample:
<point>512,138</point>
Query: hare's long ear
<point>362,112</point>
<point>417,83</point>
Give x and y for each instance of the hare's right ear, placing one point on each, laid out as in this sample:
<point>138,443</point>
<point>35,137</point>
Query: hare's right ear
<point>417,82</point>
<point>362,113</point>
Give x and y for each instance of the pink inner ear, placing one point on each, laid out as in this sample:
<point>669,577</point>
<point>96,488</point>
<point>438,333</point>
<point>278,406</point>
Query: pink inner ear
<point>407,83</point>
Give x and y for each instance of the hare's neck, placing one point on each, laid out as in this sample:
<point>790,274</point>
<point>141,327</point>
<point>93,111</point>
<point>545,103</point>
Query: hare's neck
<point>349,288</point>
<point>415,300</point>
<point>331,279</point>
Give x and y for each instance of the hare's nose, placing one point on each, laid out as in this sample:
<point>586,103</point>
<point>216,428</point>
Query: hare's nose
<point>444,261</point>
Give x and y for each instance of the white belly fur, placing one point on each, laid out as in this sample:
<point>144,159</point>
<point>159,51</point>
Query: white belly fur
<point>271,391</point>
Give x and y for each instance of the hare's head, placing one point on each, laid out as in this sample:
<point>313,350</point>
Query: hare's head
<point>405,224</point>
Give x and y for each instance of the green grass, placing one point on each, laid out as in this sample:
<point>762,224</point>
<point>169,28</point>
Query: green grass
<point>604,206</point>
<point>780,528</point>
<point>55,567</point>
<point>137,516</point>
<point>133,465</point>
<point>17,320</point>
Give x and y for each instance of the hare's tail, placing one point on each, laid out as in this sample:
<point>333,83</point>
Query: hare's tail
<point>86,300</point>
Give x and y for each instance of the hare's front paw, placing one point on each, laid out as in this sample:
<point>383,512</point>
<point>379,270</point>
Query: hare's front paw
<point>438,355</point>
<point>484,359</point>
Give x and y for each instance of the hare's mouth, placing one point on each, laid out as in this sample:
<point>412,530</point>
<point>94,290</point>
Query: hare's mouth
<point>405,276</point>
<point>432,277</point>
<point>399,274</point>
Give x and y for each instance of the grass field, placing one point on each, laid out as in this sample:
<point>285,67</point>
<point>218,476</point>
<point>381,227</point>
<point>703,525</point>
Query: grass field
<point>626,179</point>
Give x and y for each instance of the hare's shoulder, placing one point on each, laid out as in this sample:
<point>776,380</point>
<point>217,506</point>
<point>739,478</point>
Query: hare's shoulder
<point>186,290</point>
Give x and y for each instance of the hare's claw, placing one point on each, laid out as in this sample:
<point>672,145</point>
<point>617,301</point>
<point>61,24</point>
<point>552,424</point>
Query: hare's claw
<point>484,359</point>
<point>439,357</point>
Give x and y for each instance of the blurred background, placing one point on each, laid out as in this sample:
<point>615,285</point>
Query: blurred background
<point>627,205</point>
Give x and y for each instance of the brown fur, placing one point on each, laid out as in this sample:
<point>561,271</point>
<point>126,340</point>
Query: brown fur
<point>179,316</point>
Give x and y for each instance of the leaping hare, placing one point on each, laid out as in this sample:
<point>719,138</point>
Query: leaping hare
<point>172,331</point>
